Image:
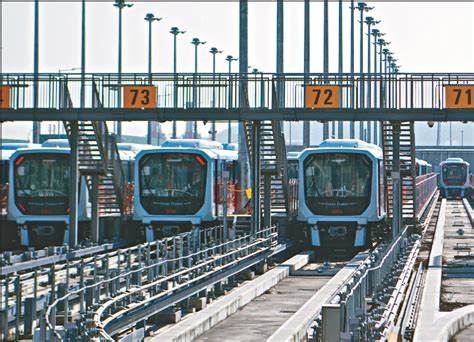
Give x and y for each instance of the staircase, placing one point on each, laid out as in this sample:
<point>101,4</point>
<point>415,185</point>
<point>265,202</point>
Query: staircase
<point>98,156</point>
<point>407,167</point>
<point>242,225</point>
<point>273,161</point>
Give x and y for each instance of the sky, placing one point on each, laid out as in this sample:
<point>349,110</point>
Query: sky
<point>425,36</point>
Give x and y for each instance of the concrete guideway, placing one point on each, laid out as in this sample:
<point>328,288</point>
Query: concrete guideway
<point>273,320</point>
<point>194,326</point>
<point>433,324</point>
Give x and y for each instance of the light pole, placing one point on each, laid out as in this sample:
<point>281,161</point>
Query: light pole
<point>340,124</point>
<point>369,21</point>
<point>150,18</point>
<point>376,33</point>
<point>196,42</point>
<point>120,4</point>
<point>36,124</point>
<point>230,59</point>
<point>175,31</point>
<point>214,51</point>
<point>306,67</point>
<point>362,7</point>
<point>352,125</point>
<point>326,57</point>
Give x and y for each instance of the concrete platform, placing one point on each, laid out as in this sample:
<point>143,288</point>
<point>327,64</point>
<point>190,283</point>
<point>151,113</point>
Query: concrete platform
<point>197,324</point>
<point>259,319</point>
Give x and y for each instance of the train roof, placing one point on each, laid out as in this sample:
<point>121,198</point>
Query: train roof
<point>132,147</point>
<point>454,160</point>
<point>194,143</point>
<point>61,143</point>
<point>338,145</point>
<point>293,155</point>
<point>210,153</point>
<point>16,146</point>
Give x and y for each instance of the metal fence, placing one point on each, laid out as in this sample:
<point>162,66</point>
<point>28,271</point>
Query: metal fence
<point>228,91</point>
<point>366,302</point>
<point>164,273</point>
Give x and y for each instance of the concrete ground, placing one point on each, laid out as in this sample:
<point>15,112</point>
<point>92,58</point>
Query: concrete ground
<point>467,335</point>
<point>259,319</point>
<point>457,288</point>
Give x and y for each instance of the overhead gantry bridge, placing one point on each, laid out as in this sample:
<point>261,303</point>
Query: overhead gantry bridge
<point>255,96</point>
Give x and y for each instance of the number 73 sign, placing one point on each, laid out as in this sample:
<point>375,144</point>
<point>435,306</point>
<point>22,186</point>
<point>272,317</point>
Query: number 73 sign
<point>322,96</point>
<point>139,97</point>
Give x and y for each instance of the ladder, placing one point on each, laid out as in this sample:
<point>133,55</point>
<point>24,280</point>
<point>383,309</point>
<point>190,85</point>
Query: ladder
<point>407,167</point>
<point>98,156</point>
<point>273,160</point>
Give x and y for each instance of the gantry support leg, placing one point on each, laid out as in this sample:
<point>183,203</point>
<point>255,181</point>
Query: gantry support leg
<point>256,177</point>
<point>396,182</point>
<point>73,186</point>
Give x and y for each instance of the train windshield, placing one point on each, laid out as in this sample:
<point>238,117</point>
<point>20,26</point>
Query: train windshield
<point>172,183</point>
<point>42,183</point>
<point>337,183</point>
<point>454,174</point>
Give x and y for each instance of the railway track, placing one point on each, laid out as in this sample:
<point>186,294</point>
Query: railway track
<point>127,293</point>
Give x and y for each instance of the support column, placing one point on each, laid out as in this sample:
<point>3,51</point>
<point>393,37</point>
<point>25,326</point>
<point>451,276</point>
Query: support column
<point>73,186</point>
<point>256,177</point>
<point>95,236</point>
<point>396,182</point>
<point>267,203</point>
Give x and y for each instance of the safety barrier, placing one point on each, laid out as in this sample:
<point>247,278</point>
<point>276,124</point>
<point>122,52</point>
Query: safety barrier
<point>380,279</point>
<point>191,91</point>
<point>164,273</point>
<point>426,186</point>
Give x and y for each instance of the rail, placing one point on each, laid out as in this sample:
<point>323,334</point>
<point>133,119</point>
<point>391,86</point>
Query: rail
<point>222,91</point>
<point>179,267</point>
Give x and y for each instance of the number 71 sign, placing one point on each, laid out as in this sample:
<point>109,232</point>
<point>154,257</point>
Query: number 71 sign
<point>461,96</point>
<point>322,96</point>
<point>139,97</point>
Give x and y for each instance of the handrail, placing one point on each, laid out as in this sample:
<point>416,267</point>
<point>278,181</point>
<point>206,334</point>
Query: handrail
<point>212,251</point>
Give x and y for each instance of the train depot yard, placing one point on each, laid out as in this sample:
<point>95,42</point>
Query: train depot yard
<point>242,233</point>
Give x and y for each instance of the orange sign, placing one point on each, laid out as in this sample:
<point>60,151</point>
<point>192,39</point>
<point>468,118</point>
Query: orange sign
<point>4,97</point>
<point>139,97</point>
<point>322,96</point>
<point>461,96</point>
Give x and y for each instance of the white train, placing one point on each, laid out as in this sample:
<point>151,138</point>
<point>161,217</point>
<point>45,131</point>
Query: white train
<point>179,186</point>
<point>341,193</point>
<point>38,197</point>
<point>38,194</point>
<point>454,178</point>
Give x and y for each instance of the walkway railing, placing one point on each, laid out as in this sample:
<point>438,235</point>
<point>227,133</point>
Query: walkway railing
<point>399,91</point>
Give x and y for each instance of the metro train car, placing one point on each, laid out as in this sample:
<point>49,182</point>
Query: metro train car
<point>38,195</point>
<point>342,193</point>
<point>423,167</point>
<point>8,230</point>
<point>454,178</point>
<point>179,186</point>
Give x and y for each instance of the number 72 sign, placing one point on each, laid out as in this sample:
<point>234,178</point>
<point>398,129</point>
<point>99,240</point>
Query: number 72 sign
<point>461,96</point>
<point>322,96</point>
<point>139,97</point>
